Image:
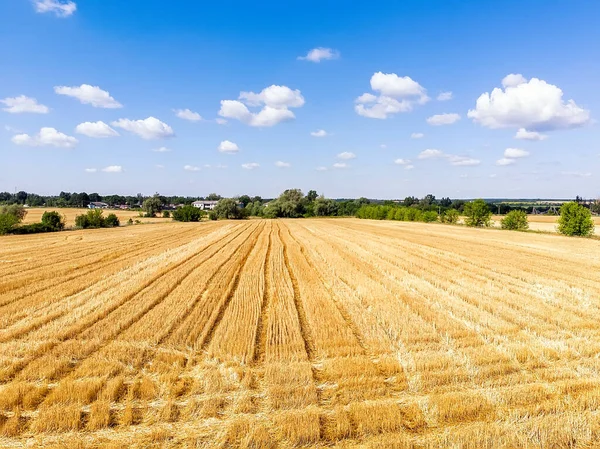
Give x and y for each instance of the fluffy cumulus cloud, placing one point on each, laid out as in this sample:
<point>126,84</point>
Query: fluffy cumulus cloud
<point>281,164</point>
<point>187,114</point>
<point>274,102</point>
<point>431,154</point>
<point>515,153</point>
<point>191,168</point>
<point>319,133</point>
<point>443,119</point>
<point>228,147</point>
<point>319,54</point>
<point>340,165</point>
<point>417,135</point>
<point>321,168</point>
<point>402,162</point>
<point>453,159</point>
<point>250,165</point>
<point>346,155</point>
<point>444,96</point>
<point>505,161</point>
<point>162,150</point>
<point>409,167</point>
<point>21,104</point>
<point>395,94</point>
<point>534,105</point>
<point>523,134</point>
<point>113,169</point>
<point>463,161</point>
<point>46,137</point>
<point>91,170</point>
<point>59,7</point>
<point>148,129</point>
<point>97,130</point>
<point>87,94</point>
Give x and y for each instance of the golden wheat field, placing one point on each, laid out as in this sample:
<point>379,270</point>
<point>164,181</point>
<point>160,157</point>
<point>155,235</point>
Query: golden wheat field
<point>299,333</point>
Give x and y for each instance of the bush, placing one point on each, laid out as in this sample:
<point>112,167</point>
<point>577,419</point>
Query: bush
<point>54,220</point>
<point>228,209</point>
<point>10,217</point>
<point>130,221</point>
<point>477,213</point>
<point>187,213</point>
<point>111,221</point>
<point>94,219</point>
<point>575,220</point>
<point>212,215</point>
<point>515,220</point>
<point>166,214</point>
<point>429,217</point>
<point>451,216</point>
<point>7,223</point>
<point>33,228</point>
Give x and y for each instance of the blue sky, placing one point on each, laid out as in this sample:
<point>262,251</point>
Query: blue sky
<point>73,71</point>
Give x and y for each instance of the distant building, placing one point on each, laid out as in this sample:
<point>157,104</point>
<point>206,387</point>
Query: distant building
<point>205,204</point>
<point>97,205</point>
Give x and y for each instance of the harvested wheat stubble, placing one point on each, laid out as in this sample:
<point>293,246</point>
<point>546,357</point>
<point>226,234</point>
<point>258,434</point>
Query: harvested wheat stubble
<point>299,333</point>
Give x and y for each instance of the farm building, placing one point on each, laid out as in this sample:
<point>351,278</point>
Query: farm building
<point>97,205</point>
<point>205,204</point>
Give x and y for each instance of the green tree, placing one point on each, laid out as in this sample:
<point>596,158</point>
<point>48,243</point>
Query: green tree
<point>166,214</point>
<point>311,195</point>
<point>53,220</point>
<point>7,223</point>
<point>245,200</point>
<point>91,219</point>
<point>227,208</point>
<point>152,206</point>
<point>214,197</point>
<point>187,213</point>
<point>325,207</point>
<point>477,213</point>
<point>515,220</point>
<point>575,219</point>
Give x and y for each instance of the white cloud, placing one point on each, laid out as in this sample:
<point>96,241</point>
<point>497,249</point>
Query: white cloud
<point>577,174</point>
<point>463,161</point>
<point>409,167</point>
<point>515,153</point>
<point>443,119</point>
<point>321,168</point>
<point>396,94</point>
<point>402,162</point>
<point>20,104</point>
<point>444,96</point>
<point>319,133</point>
<point>523,134</point>
<point>221,166</point>
<point>91,170</point>
<point>191,168</point>
<point>383,146</point>
<point>87,94</point>
<point>514,79</point>
<point>346,155</point>
<point>340,165</point>
<point>534,105</point>
<point>274,100</point>
<point>97,130</point>
<point>455,160</point>
<point>159,166</point>
<point>493,175</point>
<point>319,54</point>
<point>162,150</point>
<point>430,154</point>
<point>228,147</point>
<point>187,114</point>
<point>417,135</point>
<point>113,169</point>
<point>148,129</point>
<point>221,121</point>
<point>59,7</point>
<point>46,136</point>
<point>505,161</point>
<point>250,165</point>
<point>282,164</point>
